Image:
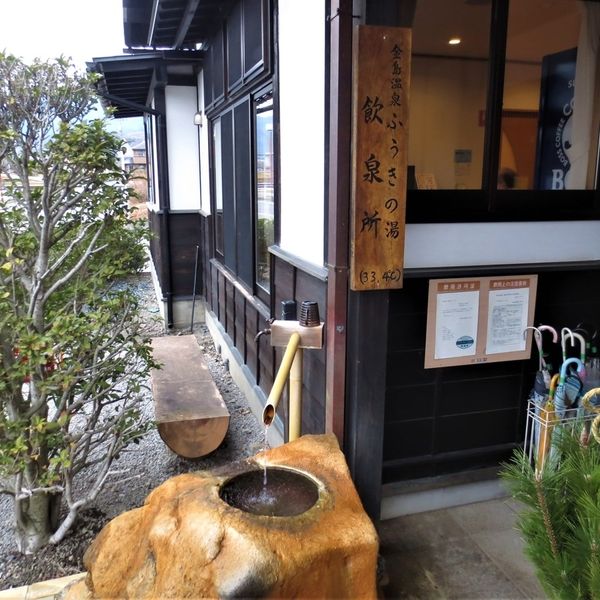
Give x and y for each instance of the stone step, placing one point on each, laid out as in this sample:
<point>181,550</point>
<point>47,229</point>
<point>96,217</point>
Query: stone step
<point>191,416</point>
<point>51,589</point>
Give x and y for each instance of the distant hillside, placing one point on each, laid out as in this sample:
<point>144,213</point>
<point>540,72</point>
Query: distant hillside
<point>131,129</point>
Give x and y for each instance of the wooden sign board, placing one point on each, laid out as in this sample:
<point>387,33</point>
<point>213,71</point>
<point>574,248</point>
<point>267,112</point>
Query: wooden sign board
<point>380,128</point>
<point>476,320</point>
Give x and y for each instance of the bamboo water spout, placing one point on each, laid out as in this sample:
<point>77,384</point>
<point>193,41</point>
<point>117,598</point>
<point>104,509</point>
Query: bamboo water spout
<point>291,365</point>
<point>295,338</point>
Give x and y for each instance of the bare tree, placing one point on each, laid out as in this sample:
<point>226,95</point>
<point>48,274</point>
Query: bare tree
<point>72,358</point>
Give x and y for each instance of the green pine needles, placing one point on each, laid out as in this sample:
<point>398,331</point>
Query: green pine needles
<point>561,517</point>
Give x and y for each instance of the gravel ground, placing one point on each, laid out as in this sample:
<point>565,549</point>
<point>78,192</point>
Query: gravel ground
<point>143,468</point>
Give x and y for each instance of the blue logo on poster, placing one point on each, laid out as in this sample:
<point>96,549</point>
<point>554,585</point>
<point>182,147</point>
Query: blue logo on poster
<point>464,342</point>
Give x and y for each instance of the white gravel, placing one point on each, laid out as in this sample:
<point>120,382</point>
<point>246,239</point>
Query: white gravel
<point>141,468</point>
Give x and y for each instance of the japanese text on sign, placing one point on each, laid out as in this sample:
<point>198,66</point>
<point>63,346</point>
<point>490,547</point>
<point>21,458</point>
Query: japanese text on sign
<point>379,183</point>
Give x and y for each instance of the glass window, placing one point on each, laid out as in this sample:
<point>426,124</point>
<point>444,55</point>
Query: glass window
<point>548,100</point>
<point>218,170</point>
<point>448,93</point>
<point>265,188</point>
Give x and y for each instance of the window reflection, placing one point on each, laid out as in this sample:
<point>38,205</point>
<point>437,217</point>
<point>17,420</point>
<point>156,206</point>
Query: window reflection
<point>448,93</point>
<point>218,186</point>
<point>548,102</point>
<point>265,190</point>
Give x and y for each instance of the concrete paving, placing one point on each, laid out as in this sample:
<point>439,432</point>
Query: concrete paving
<point>466,553</point>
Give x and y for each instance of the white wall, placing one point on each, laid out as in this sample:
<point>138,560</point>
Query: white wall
<point>182,147</point>
<point>155,189</point>
<point>204,150</point>
<point>522,86</point>
<point>446,96</point>
<point>302,133</point>
<point>472,244</point>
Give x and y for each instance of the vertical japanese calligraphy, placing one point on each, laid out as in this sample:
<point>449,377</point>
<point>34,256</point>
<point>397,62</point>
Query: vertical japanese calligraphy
<point>380,129</point>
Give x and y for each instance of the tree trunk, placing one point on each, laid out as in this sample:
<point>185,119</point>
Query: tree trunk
<point>37,519</point>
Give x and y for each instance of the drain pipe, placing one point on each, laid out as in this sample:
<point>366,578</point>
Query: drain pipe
<point>165,201</point>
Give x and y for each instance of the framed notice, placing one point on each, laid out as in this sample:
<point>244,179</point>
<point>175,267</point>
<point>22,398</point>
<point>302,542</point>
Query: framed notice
<point>379,156</point>
<point>479,320</point>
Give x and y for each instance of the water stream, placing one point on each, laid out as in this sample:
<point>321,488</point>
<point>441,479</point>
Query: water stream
<point>288,493</point>
<point>265,448</point>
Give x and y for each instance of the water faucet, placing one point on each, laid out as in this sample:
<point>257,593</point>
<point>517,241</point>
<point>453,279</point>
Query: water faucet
<point>265,331</point>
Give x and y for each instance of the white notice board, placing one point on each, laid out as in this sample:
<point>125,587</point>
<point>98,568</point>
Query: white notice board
<point>479,320</point>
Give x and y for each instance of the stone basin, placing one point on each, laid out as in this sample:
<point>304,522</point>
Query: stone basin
<point>271,492</point>
<point>188,541</point>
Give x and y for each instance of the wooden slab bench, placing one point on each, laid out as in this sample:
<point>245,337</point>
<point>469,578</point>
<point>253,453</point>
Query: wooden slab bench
<point>191,417</point>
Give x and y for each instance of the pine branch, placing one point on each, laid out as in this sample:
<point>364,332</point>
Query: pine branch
<point>546,516</point>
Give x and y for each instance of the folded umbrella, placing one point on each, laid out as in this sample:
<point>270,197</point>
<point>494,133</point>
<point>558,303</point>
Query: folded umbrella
<point>590,404</point>
<point>548,420</point>
<point>539,393</point>
<point>548,366</point>
<point>566,397</point>
<point>570,385</point>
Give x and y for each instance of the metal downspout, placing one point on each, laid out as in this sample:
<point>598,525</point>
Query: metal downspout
<point>165,204</point>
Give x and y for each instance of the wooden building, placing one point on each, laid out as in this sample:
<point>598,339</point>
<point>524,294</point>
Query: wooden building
<point>247,105</point>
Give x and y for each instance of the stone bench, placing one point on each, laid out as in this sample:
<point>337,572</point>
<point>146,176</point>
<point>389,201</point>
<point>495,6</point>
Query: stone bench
<point>191,417</point>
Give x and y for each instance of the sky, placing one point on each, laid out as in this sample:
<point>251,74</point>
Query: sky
<point>80,29</point>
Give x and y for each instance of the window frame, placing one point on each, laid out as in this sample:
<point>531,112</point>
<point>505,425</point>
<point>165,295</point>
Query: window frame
<point>257,290</point>
<point>490,204</point>
<point>260,95</point>
<point>218,248</point>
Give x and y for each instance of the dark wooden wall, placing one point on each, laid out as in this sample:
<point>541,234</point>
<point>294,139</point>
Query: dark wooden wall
<point>452,419</point>
<point>243,316</point>
<point>292,283</point>
<point>184,231</point>
<point>184,236</point>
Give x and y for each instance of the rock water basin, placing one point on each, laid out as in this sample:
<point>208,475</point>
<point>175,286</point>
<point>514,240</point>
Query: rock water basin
<point>224,534</point>
<point>271,492</point>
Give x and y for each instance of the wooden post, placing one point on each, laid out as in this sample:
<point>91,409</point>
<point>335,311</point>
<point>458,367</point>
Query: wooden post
<point>381,80</point>
<point>340,94</point>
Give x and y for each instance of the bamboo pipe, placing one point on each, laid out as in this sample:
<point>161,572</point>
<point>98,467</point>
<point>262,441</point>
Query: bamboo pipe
<point>295,420</point>
<point>281,380</point>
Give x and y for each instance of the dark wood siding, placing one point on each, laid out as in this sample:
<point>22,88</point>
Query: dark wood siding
<point>292,283</point>
<point>184,229</point>
<point>234,47</point>
<point>254,34</point>
<point>450,419</point>
<point>253,323</point>
<point>217,66</point>
<point>239,54</point>
<point>240,322</point>
<point>242,316</point>
<point>184,235</point>
<point>229,310</point>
